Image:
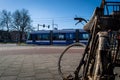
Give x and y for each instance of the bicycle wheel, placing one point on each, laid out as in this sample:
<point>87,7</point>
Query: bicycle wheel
<point>65,70</point>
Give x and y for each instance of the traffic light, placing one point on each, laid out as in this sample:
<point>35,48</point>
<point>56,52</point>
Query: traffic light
<point>43,25</point>
<point>48,26</point>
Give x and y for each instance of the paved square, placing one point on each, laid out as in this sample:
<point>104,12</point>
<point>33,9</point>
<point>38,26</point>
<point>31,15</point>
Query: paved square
<point>37,62</point>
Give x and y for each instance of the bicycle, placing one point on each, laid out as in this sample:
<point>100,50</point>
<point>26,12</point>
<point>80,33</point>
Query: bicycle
<point>102,53</point>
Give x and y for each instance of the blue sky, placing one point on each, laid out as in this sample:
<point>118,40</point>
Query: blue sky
<point>62,12</point>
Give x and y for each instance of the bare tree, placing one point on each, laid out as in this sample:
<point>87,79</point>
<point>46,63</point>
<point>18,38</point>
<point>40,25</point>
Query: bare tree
<point>5,24</point>
<point>5,20</point>
<point>21,22</point>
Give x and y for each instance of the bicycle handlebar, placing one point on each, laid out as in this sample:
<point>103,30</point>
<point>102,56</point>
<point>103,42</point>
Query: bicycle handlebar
<point>80,20</point>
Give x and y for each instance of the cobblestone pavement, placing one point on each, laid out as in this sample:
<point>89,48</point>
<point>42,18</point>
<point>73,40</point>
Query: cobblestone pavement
<point>36,63</point>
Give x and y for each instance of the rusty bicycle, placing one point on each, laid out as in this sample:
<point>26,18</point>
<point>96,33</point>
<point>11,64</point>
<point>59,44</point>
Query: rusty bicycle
<point>102,53</point>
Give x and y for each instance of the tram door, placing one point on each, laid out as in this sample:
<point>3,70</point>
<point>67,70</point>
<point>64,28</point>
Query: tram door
<point>69,38</point>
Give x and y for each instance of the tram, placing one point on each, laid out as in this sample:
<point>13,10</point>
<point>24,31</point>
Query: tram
<point>57,37</point>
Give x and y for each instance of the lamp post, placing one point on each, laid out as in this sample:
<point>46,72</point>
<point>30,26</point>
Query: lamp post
<point>53,24</point>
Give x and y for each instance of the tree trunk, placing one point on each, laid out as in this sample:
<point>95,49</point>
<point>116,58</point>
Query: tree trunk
<point>20,37</point>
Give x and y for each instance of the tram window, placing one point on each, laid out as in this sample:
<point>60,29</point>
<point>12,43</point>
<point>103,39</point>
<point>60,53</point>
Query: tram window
<point>30,37</point>
<point>45,37</point>
<point>41,36</point>
<point>38,37</point>
<point>55,36</point>
<point>84,36</point>
<point>70,36</point>
<point>58,36</point>
<point>35,37</point>
<point>61,36</point>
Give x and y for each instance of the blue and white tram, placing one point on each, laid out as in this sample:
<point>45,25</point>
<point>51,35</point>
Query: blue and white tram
<point>57,37</point>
